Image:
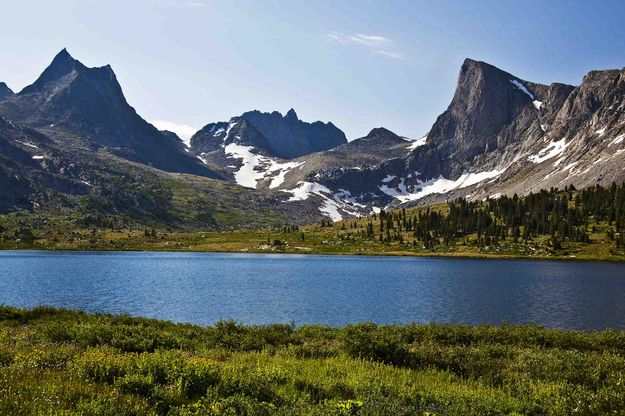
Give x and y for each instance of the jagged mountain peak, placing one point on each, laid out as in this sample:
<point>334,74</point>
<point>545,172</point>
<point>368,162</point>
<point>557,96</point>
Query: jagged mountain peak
<point>64,68</point>
<point>85,105</point>
<point>64,54</point>
<point>289,137</point>
<point>216,136</point>
<point>5,91</point>
<point>479,76</point>
<point>476,64</point>
<point>67,93</point>
<point>62,65</point>
<point>62,58</point>
<point>602,73</point>
<point>607,80</point>
<point>485,70</point>
<point>485,75</point>
<point>479,71</point>
<point>488,75</point>
<point>291,115</point>
<point>486,100</point>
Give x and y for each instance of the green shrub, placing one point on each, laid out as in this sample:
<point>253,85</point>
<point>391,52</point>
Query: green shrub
<point>103,365</point>
<point>236,405</point>
<point>62,362</point>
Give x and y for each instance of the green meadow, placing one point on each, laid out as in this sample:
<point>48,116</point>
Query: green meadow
<point>59,362</point>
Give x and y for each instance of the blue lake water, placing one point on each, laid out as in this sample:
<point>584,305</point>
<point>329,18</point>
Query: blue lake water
<point>202,288</point>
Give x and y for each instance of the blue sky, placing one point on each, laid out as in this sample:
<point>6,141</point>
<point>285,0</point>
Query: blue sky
<point>360,64</point>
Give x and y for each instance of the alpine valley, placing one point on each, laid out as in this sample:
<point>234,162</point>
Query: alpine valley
<point>70,144</point>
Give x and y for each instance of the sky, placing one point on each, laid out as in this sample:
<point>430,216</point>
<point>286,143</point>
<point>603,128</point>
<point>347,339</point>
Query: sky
<point>360,64</point>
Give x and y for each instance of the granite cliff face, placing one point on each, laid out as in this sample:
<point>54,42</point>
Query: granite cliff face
<point>490,110</point>
<point>503,135</point>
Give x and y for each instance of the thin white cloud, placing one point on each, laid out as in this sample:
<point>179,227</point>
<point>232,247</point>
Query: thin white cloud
<point>188,4</point>
<point>391,54</point>
<point>183,131</point>
<point>377,44</point>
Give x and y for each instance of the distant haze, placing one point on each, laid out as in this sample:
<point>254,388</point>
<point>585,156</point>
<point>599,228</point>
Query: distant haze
<point>182,130</point>
<point>366,64</point>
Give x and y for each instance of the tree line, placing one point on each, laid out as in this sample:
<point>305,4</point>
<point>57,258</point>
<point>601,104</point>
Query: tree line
<point>563,215</point>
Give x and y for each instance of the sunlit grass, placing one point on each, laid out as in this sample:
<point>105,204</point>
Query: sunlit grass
<point>62,362</point>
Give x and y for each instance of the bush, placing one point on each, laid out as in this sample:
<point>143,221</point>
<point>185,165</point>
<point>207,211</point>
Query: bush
<point>63,362</point>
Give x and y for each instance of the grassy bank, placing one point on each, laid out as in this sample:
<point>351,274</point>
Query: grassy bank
<point>63,362</point>
<point>335,238</point>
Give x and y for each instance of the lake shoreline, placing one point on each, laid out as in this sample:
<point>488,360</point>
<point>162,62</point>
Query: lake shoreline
<point>466,256</point>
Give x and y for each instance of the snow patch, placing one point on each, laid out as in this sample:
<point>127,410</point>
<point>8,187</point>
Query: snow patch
<point>439,185</point>
<point>230,126</point>
<point>38,157</point>
<point>417,143</point>
<point>331,209</point>
<point>570,166</point>
<point>537,104</point>
<point>553,149</point>
<point>600,132</point>
<point>27,144</point>
<point>618,140</point>
<point>282,169</point>
<point>388,178</point>
<point>256,167</point>
<point>346,196</point>
<point>331,203</point>
<point>305,190</point>
<point>557,162</point>
<point>520,86</point>
<point>247,175</point>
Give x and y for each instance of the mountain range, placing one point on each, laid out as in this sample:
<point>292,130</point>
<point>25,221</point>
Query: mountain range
<point>70,142</point>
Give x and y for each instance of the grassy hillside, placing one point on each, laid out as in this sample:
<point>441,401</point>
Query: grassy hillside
<point>454,229</point>
<point>65,363</point>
